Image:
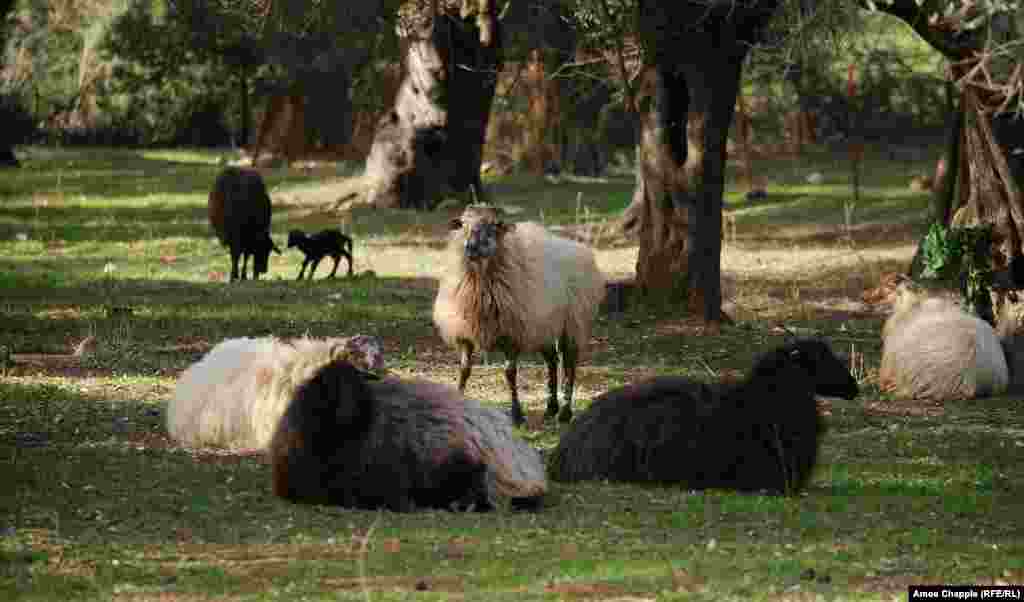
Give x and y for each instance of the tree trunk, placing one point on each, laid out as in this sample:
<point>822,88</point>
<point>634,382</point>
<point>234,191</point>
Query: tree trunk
<point>989,167</point>
<point>685,102</point>
<point>661,207</point>
<point>431,142</point>
<point>7,158</point>
<point>246,113</point>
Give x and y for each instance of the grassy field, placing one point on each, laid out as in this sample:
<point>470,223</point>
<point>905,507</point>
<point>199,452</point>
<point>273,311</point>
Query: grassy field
<point>97,504</point>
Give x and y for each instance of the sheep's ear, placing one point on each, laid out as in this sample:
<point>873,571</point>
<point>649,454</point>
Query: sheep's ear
<point>455,224</point>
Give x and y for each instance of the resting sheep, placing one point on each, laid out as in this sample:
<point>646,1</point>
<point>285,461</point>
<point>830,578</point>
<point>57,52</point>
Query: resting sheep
<point>759,434</point>
<point>235,396</point>
<point>933,349</point>
<point>326,243</point>
<point>239,210</point>
<point>517,288</point>
<point>351,439</point>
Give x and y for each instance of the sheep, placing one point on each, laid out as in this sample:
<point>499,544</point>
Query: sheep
<point>933,349</point>
<point>351,439</point>
<point>239,210</point>
<point>329,242</point>
<point>517,288</point>
<point>759,434</point>
<point>235,396</point>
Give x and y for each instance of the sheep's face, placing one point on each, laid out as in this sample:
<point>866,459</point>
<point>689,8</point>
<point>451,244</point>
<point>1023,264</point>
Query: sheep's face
<point>483,231</point>
<point>295,237</point>
<point>261,255</point>
<point>830,374</point>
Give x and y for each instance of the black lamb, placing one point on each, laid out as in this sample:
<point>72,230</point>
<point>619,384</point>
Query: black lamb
<point>325,243</point>
<point>759,434</point>
<point>239,210</point>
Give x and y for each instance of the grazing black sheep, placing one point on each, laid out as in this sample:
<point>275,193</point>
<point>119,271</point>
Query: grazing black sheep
<point>761,433</point>
<point>352,440</point>
<point>325,243</point>
<point>239,209</point>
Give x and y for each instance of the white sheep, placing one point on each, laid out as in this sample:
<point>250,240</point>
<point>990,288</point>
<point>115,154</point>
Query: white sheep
<point>518,288</point>
<point>933,349</point>
<point>235,395</point>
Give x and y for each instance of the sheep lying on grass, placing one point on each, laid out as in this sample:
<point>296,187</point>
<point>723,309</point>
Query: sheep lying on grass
<point>761,433</point>
<point>350,439</point>
<point>518,288</point>
<point>235,396</point>
<point>239,209</point>
<point>326,243</point>
<point>933,349</point>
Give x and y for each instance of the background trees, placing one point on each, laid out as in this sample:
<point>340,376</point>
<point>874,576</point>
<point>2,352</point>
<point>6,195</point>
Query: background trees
<point>195,71</point>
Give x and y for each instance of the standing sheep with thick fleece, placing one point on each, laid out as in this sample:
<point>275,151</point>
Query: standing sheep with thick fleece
<point>351,439</point>
<point>760,434</point>
<point>933,349</point>
<point>518,288</point>
<point>239,210</point>
<point>235,395</point>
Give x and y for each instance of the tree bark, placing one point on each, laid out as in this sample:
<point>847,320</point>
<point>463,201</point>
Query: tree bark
<point>989,166</point>
<point>7,157</point>
<point>431,142</point>
<point>685,102</point>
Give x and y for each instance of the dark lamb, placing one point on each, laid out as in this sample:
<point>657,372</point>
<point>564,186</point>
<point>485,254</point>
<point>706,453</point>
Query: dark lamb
<point>350,439</point>
<point>759,434</point>
<point>239,209</point>
<point>326,243</point>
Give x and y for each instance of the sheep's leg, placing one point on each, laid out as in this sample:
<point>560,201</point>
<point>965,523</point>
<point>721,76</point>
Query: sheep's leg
<point>551,359</point>
<point>302,270</point>
<point>465,363</point>
<point>348,257</point>
<point>234,265</point>
<point>312,268</point>
<point>569,355</point>
<point>337,260</point>
<point>245,264</point>
<point>511,372</point>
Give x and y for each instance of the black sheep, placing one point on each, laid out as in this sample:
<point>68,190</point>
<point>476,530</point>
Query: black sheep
<point>759,434</point>
<point>239,210</point>
<point>322,244</point>
<point>350,439</point>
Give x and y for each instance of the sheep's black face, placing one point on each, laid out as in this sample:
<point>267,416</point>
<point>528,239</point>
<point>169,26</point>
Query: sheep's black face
<point>831,376</point>
<point>483,240</point>
<point>261,256</point>
<point>294,237</point>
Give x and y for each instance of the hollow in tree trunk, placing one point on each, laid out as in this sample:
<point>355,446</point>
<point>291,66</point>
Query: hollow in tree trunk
<point>431,142</point>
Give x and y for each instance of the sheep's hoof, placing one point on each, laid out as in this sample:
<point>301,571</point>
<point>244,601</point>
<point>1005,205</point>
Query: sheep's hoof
<point>565,415</point>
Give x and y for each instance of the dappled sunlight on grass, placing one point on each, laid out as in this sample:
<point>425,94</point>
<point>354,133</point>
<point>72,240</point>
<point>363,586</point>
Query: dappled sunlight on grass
<point>98,502</point>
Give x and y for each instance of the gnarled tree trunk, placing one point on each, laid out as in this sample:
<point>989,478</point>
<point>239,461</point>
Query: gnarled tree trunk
<point>431,142</point>
<point>988,169</point>
<point>7,158</point>
<point>685,101</point>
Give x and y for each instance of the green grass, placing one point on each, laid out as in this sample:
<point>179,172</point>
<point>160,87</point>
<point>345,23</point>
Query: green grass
<point>97,504</point>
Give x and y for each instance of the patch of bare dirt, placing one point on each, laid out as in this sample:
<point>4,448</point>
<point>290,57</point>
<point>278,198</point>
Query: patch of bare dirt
<point>916,408</point>
<point>586,591</point>
<point>66,365</point>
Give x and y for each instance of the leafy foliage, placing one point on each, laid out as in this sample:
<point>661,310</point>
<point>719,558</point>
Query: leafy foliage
<point>962,254</point>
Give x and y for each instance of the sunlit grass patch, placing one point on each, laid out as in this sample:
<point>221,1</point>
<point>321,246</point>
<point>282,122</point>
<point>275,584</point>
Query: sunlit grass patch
<point>98,503</point>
